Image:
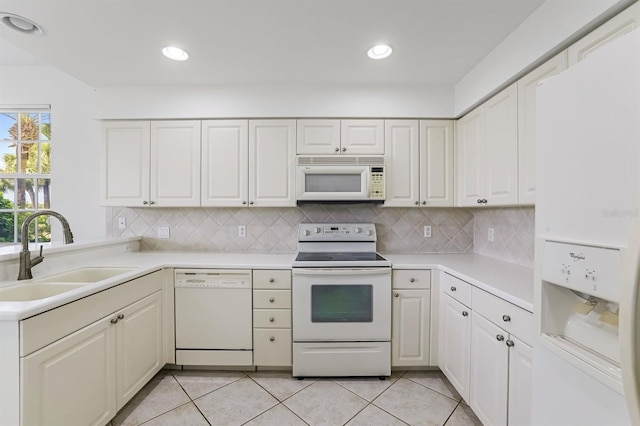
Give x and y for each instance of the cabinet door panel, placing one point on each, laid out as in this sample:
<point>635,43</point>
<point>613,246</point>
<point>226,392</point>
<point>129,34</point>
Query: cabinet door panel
<point>272,347</point>
<point>175,163</point>
<point>489,372</point>
<point>225,164</point>
<point>72,381</point>
<point>362,137</point>
<point>470,158</point>
<point>318,137</point>
<point>125,163</point>
<point>402,163</point>
<point>455,333</point>
<point>411,324</point>
<point>139,340</point>
<point>436,159</point>
<point>520,383</point>
<point>272,150</point>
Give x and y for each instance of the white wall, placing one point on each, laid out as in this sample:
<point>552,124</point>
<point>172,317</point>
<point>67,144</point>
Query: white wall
<point>551,24</point>
<point>75,143</point>
<point>274,101</point>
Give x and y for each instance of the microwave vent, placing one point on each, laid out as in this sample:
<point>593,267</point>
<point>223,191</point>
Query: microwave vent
<point>340,160</point>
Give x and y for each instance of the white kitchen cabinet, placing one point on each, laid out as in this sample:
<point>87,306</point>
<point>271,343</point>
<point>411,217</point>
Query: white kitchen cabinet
<point>411,318</point>
<point>419,163</point>
<point>225,163</point>
<point>85,376</point>
<point>272,339</point>
<point>151,163</point>
<point>621,24</point>
<point>520,382</point>
<point>487,152</point>
<point>454,344</point>
<point>362,137</point>
<point>272,152</point>
<point>318,137</point>
<point>527,89</point>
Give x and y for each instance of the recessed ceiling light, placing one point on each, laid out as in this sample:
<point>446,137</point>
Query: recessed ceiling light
<point>380,51</point>
<point>19,23</point>
<point>175,53</point>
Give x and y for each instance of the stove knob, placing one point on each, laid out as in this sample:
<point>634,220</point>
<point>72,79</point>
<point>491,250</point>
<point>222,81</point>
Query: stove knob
<point>317,229</point>
<point>357,230</point>
<point>369,232</point>
<point>306,232</point>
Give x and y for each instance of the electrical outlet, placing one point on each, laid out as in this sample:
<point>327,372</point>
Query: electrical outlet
<point>163,232</point>
<point>427,231</point>
<point>242,231</point>
<point>122,223</point>
<point>490,234</point>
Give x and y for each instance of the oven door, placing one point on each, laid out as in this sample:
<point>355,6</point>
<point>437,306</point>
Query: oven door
<point>332,182</point>
<point>341,304</point>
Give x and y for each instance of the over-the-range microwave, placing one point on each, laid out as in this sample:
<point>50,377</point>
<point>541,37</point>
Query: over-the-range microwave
<point>340,179</point>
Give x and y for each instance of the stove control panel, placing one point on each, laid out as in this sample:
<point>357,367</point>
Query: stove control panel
<point>337,232</point>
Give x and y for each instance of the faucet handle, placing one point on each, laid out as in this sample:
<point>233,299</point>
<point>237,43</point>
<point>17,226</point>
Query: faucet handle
<point>37,259</point>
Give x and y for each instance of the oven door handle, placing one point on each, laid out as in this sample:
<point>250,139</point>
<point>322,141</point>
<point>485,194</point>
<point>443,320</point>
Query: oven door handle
<point>341,271</point>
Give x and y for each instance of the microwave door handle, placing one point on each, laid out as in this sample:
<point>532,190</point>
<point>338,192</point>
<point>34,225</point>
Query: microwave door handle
<point>341,271</point>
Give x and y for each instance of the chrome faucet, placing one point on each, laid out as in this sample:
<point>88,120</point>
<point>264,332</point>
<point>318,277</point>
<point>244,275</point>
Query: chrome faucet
<point>25,255</point>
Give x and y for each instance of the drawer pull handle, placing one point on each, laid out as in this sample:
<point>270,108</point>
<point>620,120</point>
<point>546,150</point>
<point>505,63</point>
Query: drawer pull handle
<point>272,319</point>
<point>271,280</point>
<point>412,280</point>
<point>506,318</point>
<point>272,339</point>
<point>453,288</point>
<point>510,343</point>
<point>396,295</point>
<point>114,320</point>
<point>272,300</point>
<point>465,313</point>
<point>120,316</point>
<point>499,337</point>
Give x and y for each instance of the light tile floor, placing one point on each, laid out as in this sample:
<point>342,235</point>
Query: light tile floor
<point>193,398</point>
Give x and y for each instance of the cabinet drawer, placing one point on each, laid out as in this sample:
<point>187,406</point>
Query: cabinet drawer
<point>456,288</point>
<point>509,317</point>
<point>272,279</point>
<point>272,347</point>
<point>411,278</point>
<point>272,318</point>
<point>272,299</point>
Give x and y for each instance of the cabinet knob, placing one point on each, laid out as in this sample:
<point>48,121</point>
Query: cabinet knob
<point>499,337</point>
<point>114,320</point>
<point>120,316</point>
<point>396,295</point>
<point>337,149</point>
<point>145,202</point>
<point>272,339</point>
<point>412,280</point>
<point>506,318</point>
<point>465,313</point>
<point>484,201</point>
<point>344,149</point>
<point>272,300</point>
<point>152,202</point>
<point>453,288</point>
<point>417,203</point>
<point>250,202</point>
<point>271,280</point>
<point>424,203</point>
<point>510,343</point>
<point>244,202</point>
<point>272,319</point>
<point>479,201</point>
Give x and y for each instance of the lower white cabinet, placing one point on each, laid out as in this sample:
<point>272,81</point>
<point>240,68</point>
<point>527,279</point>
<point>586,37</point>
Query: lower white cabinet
<point>520,382</point>
<point>454,345</point>
<point>411,318</point>
<point>85,377</point>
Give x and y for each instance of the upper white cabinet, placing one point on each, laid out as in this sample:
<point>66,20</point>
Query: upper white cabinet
<point>248,163</point>
<point>349,137</point>
<point>527,89</point>
<point>272,152</point>
<point>419,163</point>
<point>487,152</point>
<point>619,25</point>
<point>151,163</point>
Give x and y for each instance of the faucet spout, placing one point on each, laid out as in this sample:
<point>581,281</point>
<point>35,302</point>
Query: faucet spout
<point>25,255</point>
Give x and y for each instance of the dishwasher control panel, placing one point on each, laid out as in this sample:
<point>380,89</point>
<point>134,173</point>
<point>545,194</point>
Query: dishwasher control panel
<point>212,278</point>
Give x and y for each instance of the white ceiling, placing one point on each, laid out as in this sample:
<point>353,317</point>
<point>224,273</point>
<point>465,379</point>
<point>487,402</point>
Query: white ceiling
<point>109,43</point>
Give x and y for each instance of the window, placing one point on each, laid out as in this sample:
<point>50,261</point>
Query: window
<point>25,169</point>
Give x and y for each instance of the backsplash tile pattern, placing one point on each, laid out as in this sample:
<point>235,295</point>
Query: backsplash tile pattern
<point>514,230</point>
<point>274,230</point>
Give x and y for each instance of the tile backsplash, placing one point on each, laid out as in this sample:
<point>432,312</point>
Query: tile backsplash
<point>274,230</point>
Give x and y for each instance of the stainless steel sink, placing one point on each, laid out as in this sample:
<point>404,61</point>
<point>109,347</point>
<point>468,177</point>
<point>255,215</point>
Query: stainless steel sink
<point>24,292</point>
<point>84,275</point>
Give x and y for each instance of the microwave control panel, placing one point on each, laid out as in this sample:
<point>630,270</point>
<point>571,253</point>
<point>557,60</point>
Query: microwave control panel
<point>376,189</point>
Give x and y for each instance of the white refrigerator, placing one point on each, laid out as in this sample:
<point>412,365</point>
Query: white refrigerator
<point>585,364</point>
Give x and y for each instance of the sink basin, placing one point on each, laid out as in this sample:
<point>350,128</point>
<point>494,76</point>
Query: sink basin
<point>84,275</point>
<point>26,291</point>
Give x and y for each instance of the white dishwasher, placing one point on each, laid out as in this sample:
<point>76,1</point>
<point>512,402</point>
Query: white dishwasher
<point>213,311</point>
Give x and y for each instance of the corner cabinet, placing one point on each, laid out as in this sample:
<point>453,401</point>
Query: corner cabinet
<point>419,163</point>
<point>153,163</point>
<point>487,153</point>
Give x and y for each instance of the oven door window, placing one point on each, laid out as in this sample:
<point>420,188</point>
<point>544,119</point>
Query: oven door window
<point>341,303</point>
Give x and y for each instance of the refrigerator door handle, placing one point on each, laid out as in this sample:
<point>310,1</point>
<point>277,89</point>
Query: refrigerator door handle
<point>630,326</point>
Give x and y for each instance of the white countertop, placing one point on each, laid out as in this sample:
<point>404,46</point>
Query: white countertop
<point>508,281</point>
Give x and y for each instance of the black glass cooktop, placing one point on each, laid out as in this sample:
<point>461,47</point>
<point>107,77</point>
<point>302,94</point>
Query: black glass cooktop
<point>338,257</point>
